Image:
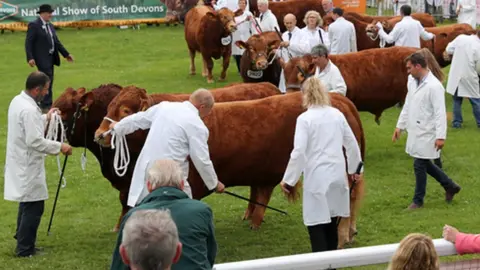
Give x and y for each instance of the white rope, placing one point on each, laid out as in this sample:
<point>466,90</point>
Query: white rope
<point>52,134</point>
<point>381,42</point>
<point>122,153</point>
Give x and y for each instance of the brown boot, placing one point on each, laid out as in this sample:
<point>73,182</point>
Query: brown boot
<point>414,206</point>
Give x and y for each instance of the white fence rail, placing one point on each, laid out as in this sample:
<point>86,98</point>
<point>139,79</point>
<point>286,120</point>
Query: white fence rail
<point>331,259</point>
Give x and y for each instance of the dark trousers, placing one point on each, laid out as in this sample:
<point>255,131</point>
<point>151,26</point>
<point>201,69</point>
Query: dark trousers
<point>237,60</point>
<point>421,168</point>
<point>324,237</point>
<point>28,220</point>
<point>46,103</point>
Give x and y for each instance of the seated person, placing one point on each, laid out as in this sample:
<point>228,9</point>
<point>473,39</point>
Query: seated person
<point>416,251</point>
<point>464,243</point>
<point>194,219</point>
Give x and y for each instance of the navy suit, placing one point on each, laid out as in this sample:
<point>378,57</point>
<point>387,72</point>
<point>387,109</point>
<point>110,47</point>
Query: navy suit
<point>38,46</point>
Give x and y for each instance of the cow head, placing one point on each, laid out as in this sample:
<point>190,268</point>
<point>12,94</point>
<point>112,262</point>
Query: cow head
<point>259,50</point>
<point>130,100</point>
<point>226,18</point>
<point>296,70</point>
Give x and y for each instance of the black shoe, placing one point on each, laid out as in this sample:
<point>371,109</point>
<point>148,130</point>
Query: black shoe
<point>449,193</point>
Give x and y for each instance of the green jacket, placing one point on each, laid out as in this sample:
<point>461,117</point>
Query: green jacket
<point>194,220</point>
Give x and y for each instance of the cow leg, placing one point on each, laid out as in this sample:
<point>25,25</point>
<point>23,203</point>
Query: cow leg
<point>204,71</point>
<point>123,200</point>
<point>343,231</point>
<point>251,206</point>
<point>226,63</point>
<point>263,196</point>
<point>192,61</point>
<point>209,63</point>
<point>377,118</point>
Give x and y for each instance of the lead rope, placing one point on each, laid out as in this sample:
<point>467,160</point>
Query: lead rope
<point>52,134</point>
<point>122,154</point>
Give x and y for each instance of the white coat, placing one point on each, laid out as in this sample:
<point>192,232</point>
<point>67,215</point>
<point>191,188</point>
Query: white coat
<point>468,12</point>
<point>463,73</point>
<point>299,46</point>
<point>320,133</point>
<point>314,37</point>
<point>230,4</point>
<point>424,117</point>
<point>243,32</point>
<point>268,23</point>
<point>176,131</point>
<point>332,79</point>
<point>26,148</point>
<point>342,36</point>
<point>406,33</point>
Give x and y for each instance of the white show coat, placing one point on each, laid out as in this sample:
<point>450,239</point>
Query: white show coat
<point>314,37</point>
<point>268,22</point>
<point>342,36</point>
<point>468,12</point>
<point>406,33</point>
<point>26,148</point>
<point>176,131</point>
<point>424,117</point>
<point>463,73</point>
<point>298,46</point>
<point>243,32</point>
<point>320,133</point>
<point>332,79</point>
<point>230,4</point>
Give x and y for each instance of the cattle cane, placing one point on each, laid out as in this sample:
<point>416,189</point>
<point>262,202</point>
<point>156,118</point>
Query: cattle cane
<point>254,202</point>
<point>359,168</point>
<point>281,39</point>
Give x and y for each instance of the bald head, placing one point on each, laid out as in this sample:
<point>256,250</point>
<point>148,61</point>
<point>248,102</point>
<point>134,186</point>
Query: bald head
<point>203,100</point>
<point>290,21</point>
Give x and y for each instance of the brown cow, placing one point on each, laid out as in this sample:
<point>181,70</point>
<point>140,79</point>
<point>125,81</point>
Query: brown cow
<point>379,84</point>
<point>210,33</point>
<point>425,19</point>
<point>257,63</point>
<point>258,158</point>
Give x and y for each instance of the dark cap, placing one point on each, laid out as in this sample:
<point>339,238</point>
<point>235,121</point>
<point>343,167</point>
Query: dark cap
<point>45,8</point>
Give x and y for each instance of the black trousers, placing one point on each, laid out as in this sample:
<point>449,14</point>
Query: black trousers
<point>237,60</point>
<point>324,237</point>
<point>28,220</point>
<point>421,168</point>
<point>47,101</point>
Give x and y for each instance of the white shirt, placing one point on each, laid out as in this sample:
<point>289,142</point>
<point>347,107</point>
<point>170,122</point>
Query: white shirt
<point>49,33</point>
<point>342,36</point>
<point>424,116</point>
<point>332,79</point>
<point>463,73</point>
<point>268,23</point>
<point>230,4</point>
<point>405,33</point>
<point>320,133</point>
<point>314,37</point>
<point>26,148</point>
<point>243,32</point>
<point>176,131</point>
<point>468,12</point>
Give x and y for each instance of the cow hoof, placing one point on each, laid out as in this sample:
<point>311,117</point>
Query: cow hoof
<point>210,81</point>
<point>221,79</point>
<point>192,73</point>
<point>254,227</point>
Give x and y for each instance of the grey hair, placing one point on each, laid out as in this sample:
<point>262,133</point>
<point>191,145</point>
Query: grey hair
<point>319,50</point>
<point>202,96</point>
<point>165,173</point>
<point>150,238</point>
<point>265,2</point>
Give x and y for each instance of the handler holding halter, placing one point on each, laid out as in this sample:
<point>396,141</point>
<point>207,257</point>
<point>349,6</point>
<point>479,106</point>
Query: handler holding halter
<point>320,133</point>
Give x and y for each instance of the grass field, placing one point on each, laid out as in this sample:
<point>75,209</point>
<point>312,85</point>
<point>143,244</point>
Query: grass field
<point>157,59</point>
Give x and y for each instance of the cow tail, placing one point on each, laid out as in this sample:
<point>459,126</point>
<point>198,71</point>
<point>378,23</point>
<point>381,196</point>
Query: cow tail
<point>294,194</point>
<point>432,64</point>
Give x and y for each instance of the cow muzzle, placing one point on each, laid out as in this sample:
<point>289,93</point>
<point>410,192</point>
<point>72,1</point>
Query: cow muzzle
<point>232,28</point>
<point>103,137</point>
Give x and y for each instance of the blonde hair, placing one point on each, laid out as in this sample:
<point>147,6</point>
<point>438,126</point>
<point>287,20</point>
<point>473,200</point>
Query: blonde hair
<point>314,93</point>
<point>416,251</point>
<point>314,13</point>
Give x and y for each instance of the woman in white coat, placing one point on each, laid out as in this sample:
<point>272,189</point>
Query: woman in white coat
<point>313,29</point>
<point>467,12</point>
<point>244,31</point>
<point>320,133</point>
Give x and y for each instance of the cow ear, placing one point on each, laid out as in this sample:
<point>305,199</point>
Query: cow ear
<point>241,44</point>
<point>81,91</point>
<point>274,44</point>
<point>239,12</point>
<point>87,100</point>
<point>311,69</point>
<point>144,105</point>
<point>211,15</point>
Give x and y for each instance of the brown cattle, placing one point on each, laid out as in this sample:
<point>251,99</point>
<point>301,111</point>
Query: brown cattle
<point>257,63</point>
<point>210,33</point>
<point>250,144</point>
<point>425,19</point>
<point>380,83</point>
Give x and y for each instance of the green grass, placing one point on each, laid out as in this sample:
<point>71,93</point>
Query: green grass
<point>157,59</point>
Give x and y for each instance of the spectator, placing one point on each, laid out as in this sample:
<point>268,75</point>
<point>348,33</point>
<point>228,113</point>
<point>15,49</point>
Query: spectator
<point>194,219</point>
<point>244,31</point>
<point>416,251</point>
<point>327,71</point>
<point>327,6</point>
<point>320,134</point>
<point>467,12</point>
<point>341,34</point>
<point>464,243</point>
<point>267,20</point>
<point>463,79</point>
<point>150,241</point>
<point>313,29</point>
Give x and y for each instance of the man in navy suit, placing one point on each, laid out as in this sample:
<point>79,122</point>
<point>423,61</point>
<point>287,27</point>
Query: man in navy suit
<point>42,47</point>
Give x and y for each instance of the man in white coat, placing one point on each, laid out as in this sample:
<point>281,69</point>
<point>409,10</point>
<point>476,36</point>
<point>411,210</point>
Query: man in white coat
<point>176,132</point>
<point>294,43</point>
<point>463,78</point>
<point>341,33</point>
<point>320,134</point>
<point>407,32</point>
<point>267,20</point>
<point>467,12</point>
<point>424,118</point>
<point>327,71</point>
<point>25,160</point>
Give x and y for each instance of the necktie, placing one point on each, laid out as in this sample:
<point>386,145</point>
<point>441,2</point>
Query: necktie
<point>289,36</point>
<point>50,35</point>
<point>261,17</point>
